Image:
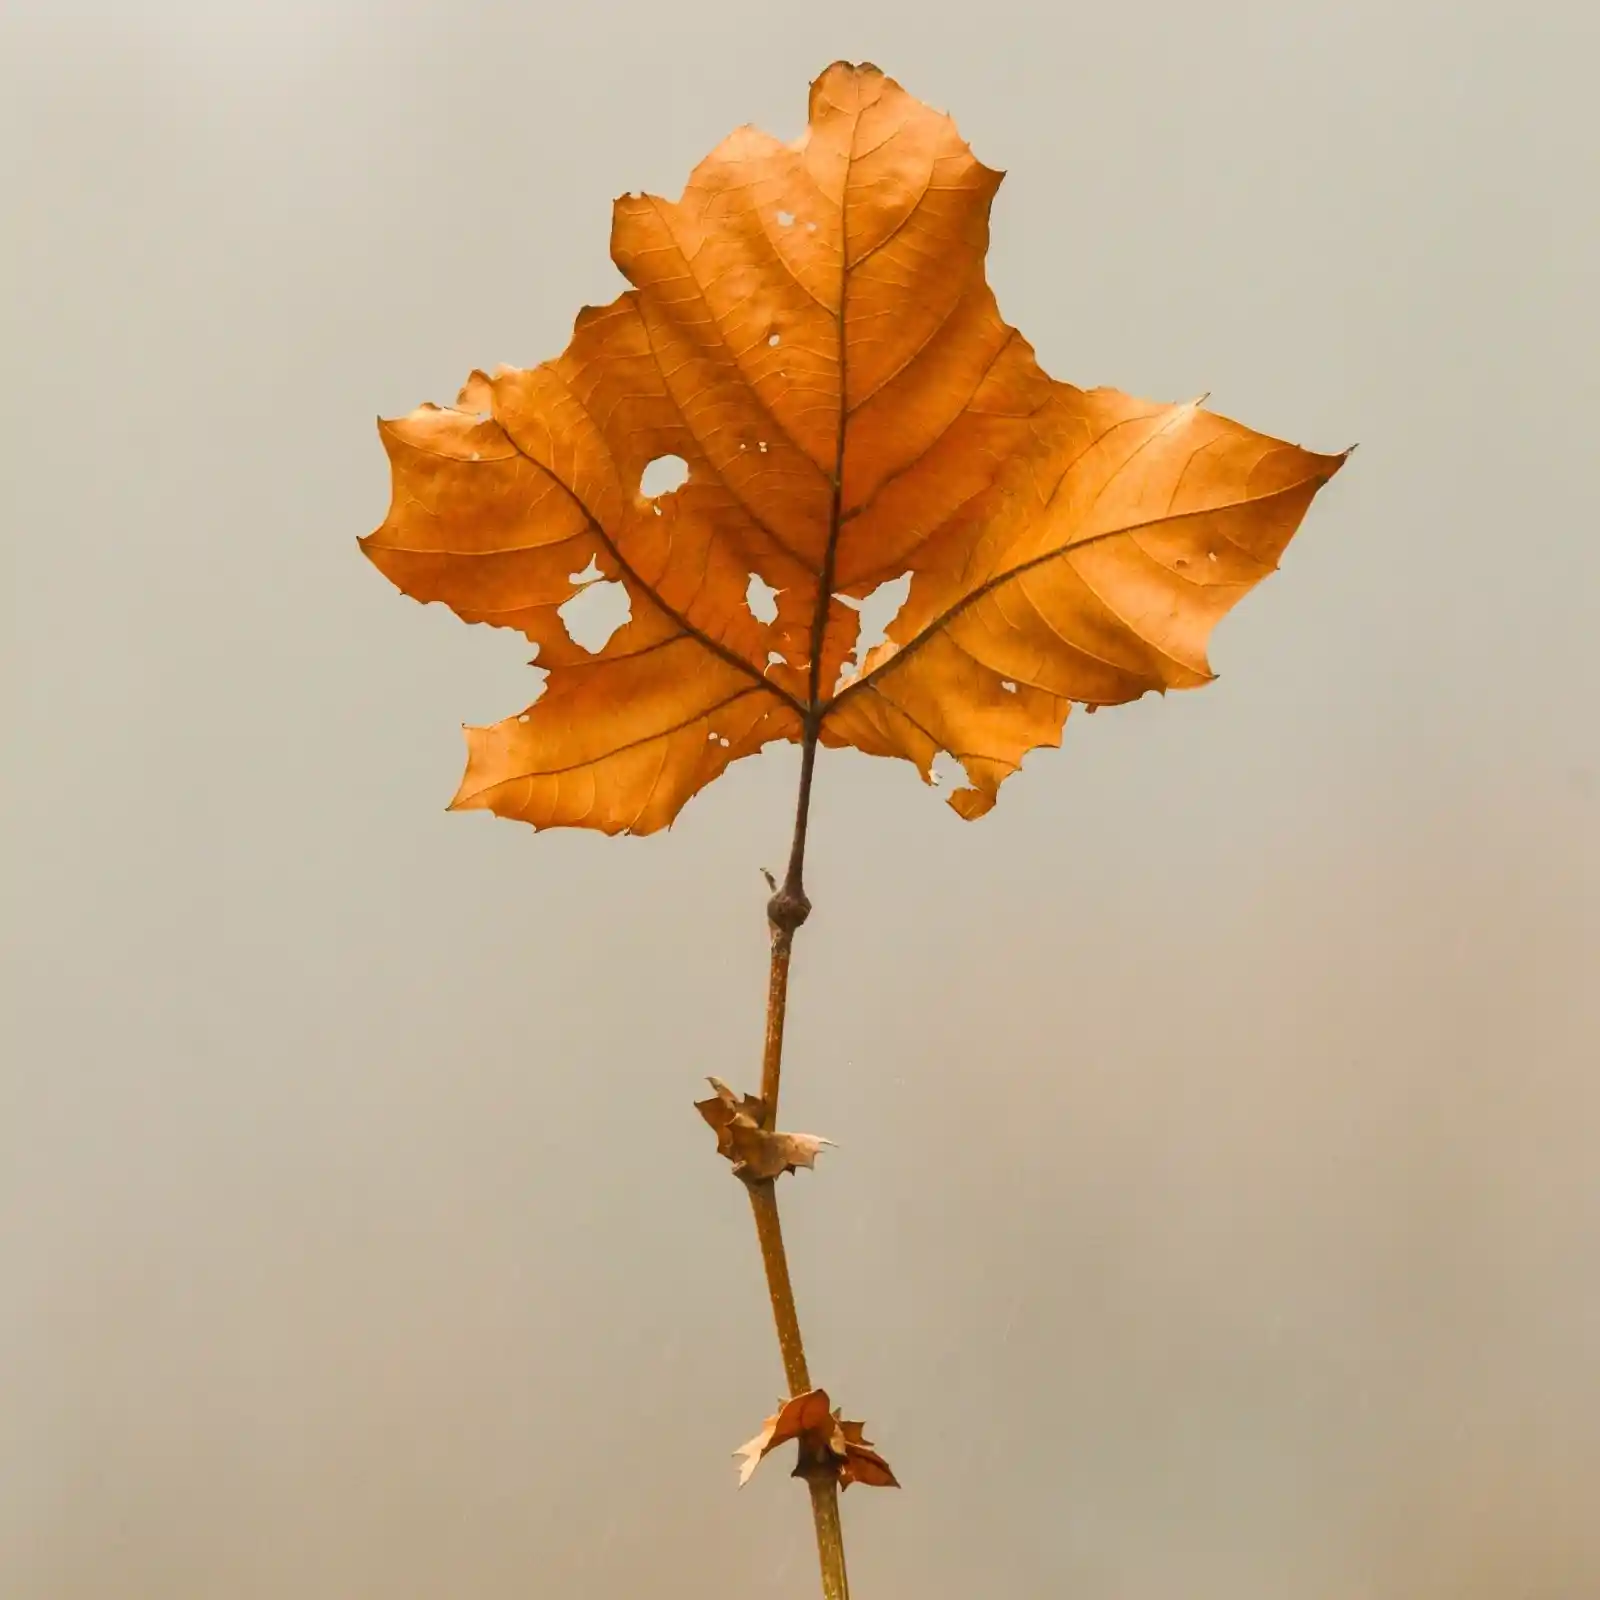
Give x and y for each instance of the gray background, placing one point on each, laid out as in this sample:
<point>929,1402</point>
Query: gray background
<point>1216,1209</point>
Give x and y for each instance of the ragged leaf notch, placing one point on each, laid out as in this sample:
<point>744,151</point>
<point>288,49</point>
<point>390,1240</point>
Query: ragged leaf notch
<point>811,333</point>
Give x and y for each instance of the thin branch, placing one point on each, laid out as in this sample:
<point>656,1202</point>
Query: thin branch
<point>786,910</point>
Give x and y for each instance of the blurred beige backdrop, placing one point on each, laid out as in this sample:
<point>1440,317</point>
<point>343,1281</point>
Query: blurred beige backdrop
<point>1215,1213</point>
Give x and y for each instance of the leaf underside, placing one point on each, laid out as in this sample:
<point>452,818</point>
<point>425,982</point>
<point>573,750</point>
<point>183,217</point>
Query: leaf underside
<point>810,330</point>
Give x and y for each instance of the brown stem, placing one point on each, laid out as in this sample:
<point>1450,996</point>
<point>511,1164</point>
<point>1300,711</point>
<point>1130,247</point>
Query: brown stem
<point>786,910</point>
<point>777,1009</point>
<point>830,1537</point>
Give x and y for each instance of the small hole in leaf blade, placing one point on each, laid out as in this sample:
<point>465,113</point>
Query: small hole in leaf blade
<point>594,614</point>
<point>663,475</point>
<point>761,598</point>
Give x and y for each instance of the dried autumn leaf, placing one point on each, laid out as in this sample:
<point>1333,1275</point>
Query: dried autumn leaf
<point>754,1152</point>
<point>827,1444</point>
<point>810,330</point>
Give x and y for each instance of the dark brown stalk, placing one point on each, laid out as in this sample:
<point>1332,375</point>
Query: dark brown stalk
<point>786,910</point>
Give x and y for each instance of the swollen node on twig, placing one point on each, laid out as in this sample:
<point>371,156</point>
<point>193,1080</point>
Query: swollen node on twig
<point>788,908</point>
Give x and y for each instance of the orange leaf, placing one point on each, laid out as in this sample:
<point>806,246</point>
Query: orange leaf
<point>827,1444</point>
<point>755,1152</point>
<point>811,332</point>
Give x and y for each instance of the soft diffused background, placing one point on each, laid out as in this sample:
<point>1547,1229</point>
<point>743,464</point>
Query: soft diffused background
<point>1215,1213</point>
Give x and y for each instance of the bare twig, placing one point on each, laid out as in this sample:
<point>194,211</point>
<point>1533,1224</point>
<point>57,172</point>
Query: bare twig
<point>786,911</point>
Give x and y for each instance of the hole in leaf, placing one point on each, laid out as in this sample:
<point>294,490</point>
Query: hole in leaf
<point>762,447</point>
<point>774,338</point>
<point>663,475</point>
<point>723,742</point>
<point>878,610</point>
<point>588,575</point>
<point>761,598</point>
<point>786,219</point>
<point>476,456</point>
<point>1211,555</point>
<point>524,717</point>
<point>594,613</point>
<point>776,658</point>
<point>1008,686</point>
<point>811,227</point>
